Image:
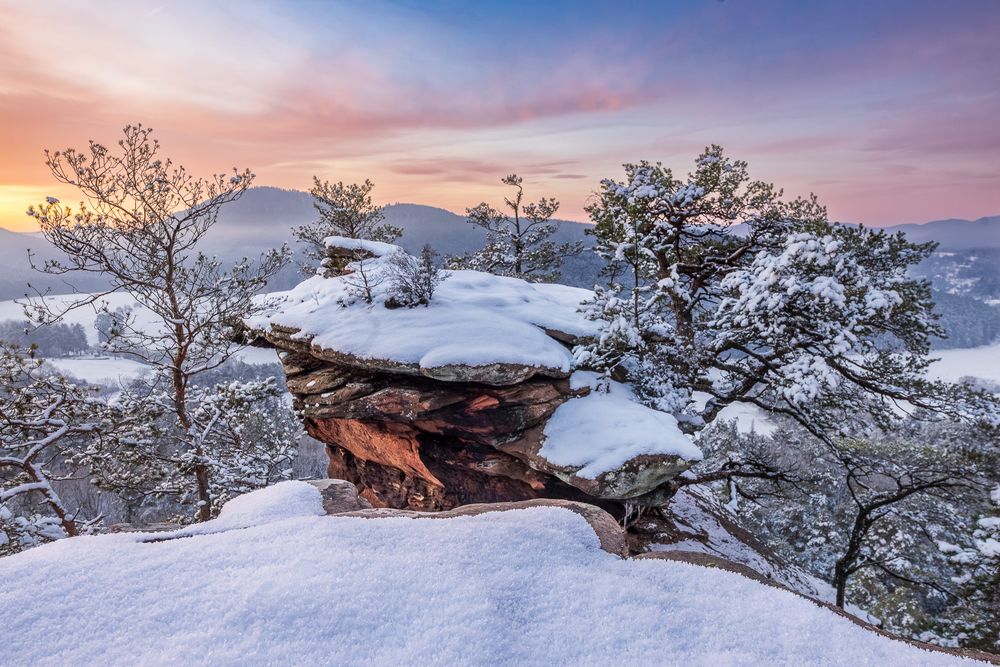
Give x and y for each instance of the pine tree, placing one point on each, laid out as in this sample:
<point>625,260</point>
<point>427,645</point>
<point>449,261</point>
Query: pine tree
<point>721,286</point>
<point>344,210</point>
<point>518,243</point>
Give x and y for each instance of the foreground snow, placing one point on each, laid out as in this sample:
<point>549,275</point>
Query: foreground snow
<point>273,582</point>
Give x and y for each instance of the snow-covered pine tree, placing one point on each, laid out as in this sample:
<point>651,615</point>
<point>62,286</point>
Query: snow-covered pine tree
<point>518,240</point>
<point>732,291</point>
<point>140,228</point>
<point>246,430</point>
<point>724,292</point>
<point>344,210</point>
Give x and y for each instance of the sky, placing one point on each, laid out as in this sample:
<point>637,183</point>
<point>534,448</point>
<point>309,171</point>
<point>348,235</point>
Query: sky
<point>888,110</point>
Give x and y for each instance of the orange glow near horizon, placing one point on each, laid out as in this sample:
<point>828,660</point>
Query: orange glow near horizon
<point>889,119</point>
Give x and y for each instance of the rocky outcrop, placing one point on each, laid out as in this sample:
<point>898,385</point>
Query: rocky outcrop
<point>432,408</point>
<point>426,444</point>
<point>340,496</point>
<point>423,444</point>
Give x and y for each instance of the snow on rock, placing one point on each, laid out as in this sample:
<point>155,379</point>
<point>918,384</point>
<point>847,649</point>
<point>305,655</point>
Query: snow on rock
<point>283,500</point>
<point>526,587</point>
<point>465,400</point>
<point>475,321</point>
<point>373,248</point>
<point>603,430</point>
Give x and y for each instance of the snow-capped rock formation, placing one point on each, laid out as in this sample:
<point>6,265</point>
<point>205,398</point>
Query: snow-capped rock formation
<point>472,398</point>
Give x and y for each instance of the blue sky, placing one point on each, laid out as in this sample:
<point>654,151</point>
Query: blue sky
<point>887,110</point>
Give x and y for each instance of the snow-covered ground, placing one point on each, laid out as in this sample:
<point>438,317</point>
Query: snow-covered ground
<point>475,318</point>
<point>981,362</point>
<point>108,369</point>
<point>272,581</point>
<point>692,511</point>
<point>749,418</point>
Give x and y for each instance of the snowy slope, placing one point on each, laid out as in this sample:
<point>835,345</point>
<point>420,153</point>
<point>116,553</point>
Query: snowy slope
<point>272,582</point>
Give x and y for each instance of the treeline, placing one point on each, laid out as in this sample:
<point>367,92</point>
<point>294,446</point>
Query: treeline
<point>50,340</point>
<point>967,322</point>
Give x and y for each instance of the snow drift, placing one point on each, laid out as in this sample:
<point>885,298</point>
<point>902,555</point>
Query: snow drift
<point>273,582</point>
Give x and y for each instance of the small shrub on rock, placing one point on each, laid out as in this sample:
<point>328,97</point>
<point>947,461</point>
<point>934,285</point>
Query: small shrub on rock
<point>413,279</point>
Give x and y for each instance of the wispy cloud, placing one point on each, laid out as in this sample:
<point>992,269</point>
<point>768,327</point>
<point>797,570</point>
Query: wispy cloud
<point>436,101</point>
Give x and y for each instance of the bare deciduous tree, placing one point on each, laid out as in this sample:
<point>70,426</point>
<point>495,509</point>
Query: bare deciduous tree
<point>879,484</point>
<point>140,228</point>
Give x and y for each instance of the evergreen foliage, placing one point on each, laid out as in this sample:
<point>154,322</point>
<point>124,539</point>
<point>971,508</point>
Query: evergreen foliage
<point>343,210</point>
<point>518,239</point>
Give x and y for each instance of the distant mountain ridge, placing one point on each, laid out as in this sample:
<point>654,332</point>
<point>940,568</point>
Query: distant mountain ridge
<point>955,233</point>
<point>271,213</point>
<point>264,217</point>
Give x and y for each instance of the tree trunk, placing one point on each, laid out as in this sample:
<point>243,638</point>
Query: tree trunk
<point>844,567</point>
<point>201,474</point>
<point>52,500</point>
<point>840,575</point>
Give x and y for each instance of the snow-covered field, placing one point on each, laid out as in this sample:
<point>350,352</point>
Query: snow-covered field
<point>272,581</point>
<point>111,370</point>
<point>981,362</point>
<point>100,370</point>
<point>84,316</point>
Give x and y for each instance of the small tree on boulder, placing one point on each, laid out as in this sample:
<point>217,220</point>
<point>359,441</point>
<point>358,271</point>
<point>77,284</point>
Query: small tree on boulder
<point>413,279</point>
<point>518,243</point>
<point>344,210</point>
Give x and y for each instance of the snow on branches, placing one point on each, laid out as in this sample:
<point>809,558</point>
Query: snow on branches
<point>412,279</point>
<point>139,229</point>
<point>40,416</point>
<point>730,290</point>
